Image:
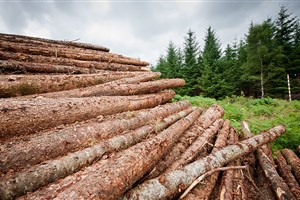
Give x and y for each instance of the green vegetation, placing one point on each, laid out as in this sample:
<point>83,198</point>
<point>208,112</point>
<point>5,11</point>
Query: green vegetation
<point>260,114</point>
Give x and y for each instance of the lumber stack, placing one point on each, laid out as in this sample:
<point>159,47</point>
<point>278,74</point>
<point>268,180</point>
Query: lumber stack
<point>79,122</point>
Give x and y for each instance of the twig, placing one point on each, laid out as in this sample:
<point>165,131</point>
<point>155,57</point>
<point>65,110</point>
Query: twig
<point>200,178</point>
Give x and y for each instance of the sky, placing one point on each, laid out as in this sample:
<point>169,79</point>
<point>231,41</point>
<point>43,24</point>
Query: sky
<point>139,29</point>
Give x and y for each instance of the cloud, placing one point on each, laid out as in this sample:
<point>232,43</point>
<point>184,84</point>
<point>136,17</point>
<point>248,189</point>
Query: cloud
<point>136,29</point>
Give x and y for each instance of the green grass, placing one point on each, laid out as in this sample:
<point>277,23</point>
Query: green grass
<point>260,114</point>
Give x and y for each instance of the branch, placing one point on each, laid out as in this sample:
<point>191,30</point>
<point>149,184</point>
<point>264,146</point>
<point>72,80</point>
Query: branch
<point>200,178</point>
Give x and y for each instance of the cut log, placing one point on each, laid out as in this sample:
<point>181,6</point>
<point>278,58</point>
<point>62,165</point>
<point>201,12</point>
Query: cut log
<point>19,117</point>
<point>17,85</point>
<point>293,160</point>
<point>280,188</point>
<point>49,171</point>
<point>110,178</point>
<point>203,122</point>
<point>197,146</point>
<point>172,183</point>
<point>227,184</point>
<point>68,54</point>
<point>48,61</point>
<point>43,41</point>
<point>286,173</point>
<point>24,67</point>
<point>59,142</point>
<point>204,190</point>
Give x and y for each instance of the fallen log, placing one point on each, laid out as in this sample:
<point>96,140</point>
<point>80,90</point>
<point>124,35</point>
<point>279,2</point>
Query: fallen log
<point>19,117</point>
<point>24,67</point>
<point>197,146</point>
<point>286,173</point>
<point>69,54</point>
<point>110,178</point>
<point>293,160</point>
<point>49,171</point>
<point>203,122</point>
<point>280,188</point>
<point>58,142</point>
<point>48,61</point>
<point>43,41</point>
<point>204,190</point>
<point>172,183</point>
<point>17,85</point>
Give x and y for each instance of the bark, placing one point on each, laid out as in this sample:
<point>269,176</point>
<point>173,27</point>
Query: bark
<point>116,89</point>
<point>227,183</point>
<point>69,54</point>
<point>19,117</point>
<point>286,173</point>
<point>110,178</point>
<point>58,142</point>
<point>17,85</point>
<point>203,122</point>
<point>92,65</point>
<point>49,171</point>
<point>170,184</point>
<point>204,190</point>
<point>281,190</point>
<point>24,67</point>
<point>53,43</point>
<point>197,146</point>
<point>293,160</point>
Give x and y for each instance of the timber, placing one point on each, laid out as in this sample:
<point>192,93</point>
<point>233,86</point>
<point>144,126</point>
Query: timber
<point>51,170</point>
<point>293,160</point>
<point>170,184</point>
<point>58,142</point>
<point>123,169</point>
<point>19,117</point>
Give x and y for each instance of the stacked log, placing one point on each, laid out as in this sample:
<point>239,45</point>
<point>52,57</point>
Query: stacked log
<point>79,122</point>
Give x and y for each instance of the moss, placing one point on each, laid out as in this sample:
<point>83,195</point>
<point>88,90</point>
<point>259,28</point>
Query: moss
<point>19,90</point>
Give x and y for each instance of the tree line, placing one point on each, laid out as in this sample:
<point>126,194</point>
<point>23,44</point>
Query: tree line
<point>256,65</point>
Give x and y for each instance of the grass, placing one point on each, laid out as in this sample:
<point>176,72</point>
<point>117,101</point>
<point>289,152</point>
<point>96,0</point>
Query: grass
<point>260,114</point>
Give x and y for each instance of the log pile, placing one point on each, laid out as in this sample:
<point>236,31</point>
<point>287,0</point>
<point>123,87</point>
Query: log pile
<point>79,122</point>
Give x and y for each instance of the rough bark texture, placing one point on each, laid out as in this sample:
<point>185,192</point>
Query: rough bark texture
<point>58,142</point>
<point>170,184</point>
<point>203,122</point>
<point>204,189</point>
<point>18,117</point>
<point>17,85</point>
<point>286,173</point>
<point>69,54</point>
<point>293,160</point>
<point>49,61</point>
<point>114,176</point>
<point>281,190</point>
<point>49,171</point>
<point>53,43</point>
<point>24,67</point>
<point>197,146</point>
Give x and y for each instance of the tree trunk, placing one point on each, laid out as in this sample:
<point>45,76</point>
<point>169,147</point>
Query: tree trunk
<point>197,146</point>
<point>24,67</point>
<point>58,142</point>
<point>19,117</point>
<point>286,173</point>
<point>68,53</point>
<point>168,185</point>
<point>16,85</point>
<point>203,191</point>
<point>54,43</point>
<point>92,65</point>
<point>110,178</point>
<point>293,160</point>
<point>281,190</point>
<point>203,122</point>
<point>51,170</point>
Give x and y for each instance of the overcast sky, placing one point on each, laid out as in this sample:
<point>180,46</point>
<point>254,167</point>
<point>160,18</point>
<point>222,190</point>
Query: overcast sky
<point>140,29</point>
